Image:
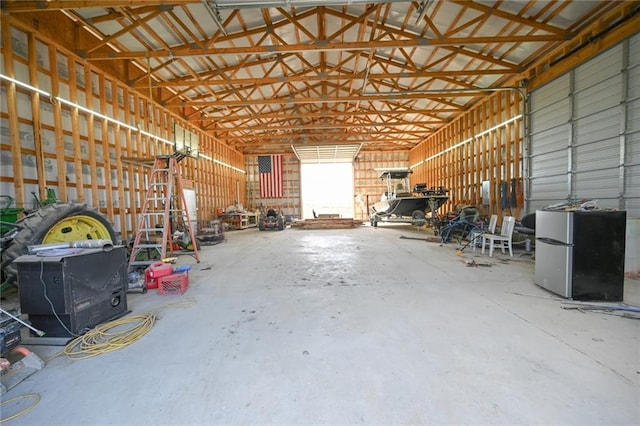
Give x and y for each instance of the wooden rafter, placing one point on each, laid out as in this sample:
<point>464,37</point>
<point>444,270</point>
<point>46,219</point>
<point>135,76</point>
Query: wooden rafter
<point>15,6</point>
<point>338,73</point>
<point>324,46</point>
<point>493,11</point>
<point>204,81</point>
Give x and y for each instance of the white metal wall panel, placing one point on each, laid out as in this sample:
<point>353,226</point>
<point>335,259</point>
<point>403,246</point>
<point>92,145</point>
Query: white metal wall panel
<point>597,111</point>
<point>632,146</point>
<point>604,66</point>
<point>633,160</point>
<point>554,115</point>
<point>555,189</point>
<point>593,99</point>
<point>598,145</point>
<point>632,149</point>
<point>550,130</point>
<point>633,103</point>
<point>634,51</point>
<point>550,94</point>
<point>583,125</point>
<point>549,152</point>
<point>600,186</point>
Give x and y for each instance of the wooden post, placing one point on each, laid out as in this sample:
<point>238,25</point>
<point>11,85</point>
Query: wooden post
<point>57,124</point>
<point>35,114</point>
<point>119,169</point>
<point>105,145</point>
<point>12,109</point>
<point>75,132</point>
<point>89,86</point>
<point>133,189</point>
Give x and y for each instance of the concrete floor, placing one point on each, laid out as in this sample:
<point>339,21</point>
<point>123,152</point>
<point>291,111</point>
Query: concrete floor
<point>352,326</point>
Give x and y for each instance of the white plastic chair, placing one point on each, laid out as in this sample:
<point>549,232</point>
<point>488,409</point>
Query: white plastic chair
<point>503,239</point>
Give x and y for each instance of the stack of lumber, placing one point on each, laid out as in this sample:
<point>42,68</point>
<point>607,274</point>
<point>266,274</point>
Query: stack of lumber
<point>333,223</point>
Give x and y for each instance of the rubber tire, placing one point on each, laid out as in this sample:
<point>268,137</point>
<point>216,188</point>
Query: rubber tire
<point>35,227</point>
<point>188,246</point>
<point>418,218</point>
<point>281,223</point>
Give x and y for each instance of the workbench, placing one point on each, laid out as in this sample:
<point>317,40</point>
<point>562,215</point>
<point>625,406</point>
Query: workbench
<point>239,220</point>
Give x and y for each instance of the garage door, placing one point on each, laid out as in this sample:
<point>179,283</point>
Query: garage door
<point>585,133</point>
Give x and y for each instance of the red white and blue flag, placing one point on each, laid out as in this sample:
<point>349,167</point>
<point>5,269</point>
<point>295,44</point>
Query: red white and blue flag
<point>270,171</point>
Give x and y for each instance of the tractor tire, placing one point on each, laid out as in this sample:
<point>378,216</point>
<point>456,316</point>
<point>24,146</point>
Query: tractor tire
<point>55,223</point>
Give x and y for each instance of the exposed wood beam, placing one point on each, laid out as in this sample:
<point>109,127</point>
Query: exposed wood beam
<point>404,135</point>
<point>41,5</point>
<point>323,46</point>
<point>287,121</point>
<point>341,138</point>
<point>351,98</point>
<point>123,31</point>
<point>115,14</point>
<point>359,76</point>
<point>223,71</point>
<point>295,20</point>
<point>564,59</point>
<point>355,21</point>
<point>360,113</point>
<point>327,125</point>
<point>492,11</point>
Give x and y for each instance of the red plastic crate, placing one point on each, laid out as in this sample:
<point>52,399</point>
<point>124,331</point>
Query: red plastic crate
<point>154,271</point>
<point>173,284</point>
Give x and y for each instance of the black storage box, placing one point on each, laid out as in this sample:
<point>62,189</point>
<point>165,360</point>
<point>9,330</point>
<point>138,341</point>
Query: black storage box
<point>80,289</point>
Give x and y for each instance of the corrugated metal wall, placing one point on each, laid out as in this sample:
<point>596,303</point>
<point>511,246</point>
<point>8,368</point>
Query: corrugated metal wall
<point>585,133</point>
<point>632,148</point>
<point>549,142</point>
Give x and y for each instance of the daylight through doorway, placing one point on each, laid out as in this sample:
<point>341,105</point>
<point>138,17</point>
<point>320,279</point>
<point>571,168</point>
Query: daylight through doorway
<point>327,189</point>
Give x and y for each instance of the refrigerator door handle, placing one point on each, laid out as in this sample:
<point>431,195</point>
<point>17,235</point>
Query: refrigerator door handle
<point>552,242</point>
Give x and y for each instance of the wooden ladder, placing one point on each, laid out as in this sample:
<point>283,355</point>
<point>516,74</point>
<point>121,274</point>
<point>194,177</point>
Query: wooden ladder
<point>163,213</point>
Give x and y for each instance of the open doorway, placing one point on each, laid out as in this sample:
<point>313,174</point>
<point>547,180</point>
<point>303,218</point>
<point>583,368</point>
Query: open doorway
<point>327,189</point>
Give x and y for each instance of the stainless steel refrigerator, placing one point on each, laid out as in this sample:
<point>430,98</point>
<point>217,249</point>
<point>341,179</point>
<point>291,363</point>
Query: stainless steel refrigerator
<point>580,254</point>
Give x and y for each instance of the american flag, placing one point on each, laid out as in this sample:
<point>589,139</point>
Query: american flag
<point>270,171</point>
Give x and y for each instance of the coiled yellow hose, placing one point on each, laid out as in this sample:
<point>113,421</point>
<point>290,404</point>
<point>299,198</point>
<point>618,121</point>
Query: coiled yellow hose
<point>117,334</point>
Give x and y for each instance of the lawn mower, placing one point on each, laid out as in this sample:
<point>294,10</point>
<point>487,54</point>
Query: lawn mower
<point>271,220</point>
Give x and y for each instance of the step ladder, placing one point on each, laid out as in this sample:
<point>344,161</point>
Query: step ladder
<point>163,213</point>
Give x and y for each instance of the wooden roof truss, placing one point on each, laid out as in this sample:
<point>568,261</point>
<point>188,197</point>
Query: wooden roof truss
<point>382,74</point>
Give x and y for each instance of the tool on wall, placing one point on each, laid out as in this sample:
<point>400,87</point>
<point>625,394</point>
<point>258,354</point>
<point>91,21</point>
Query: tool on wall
<point>164,214</point>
